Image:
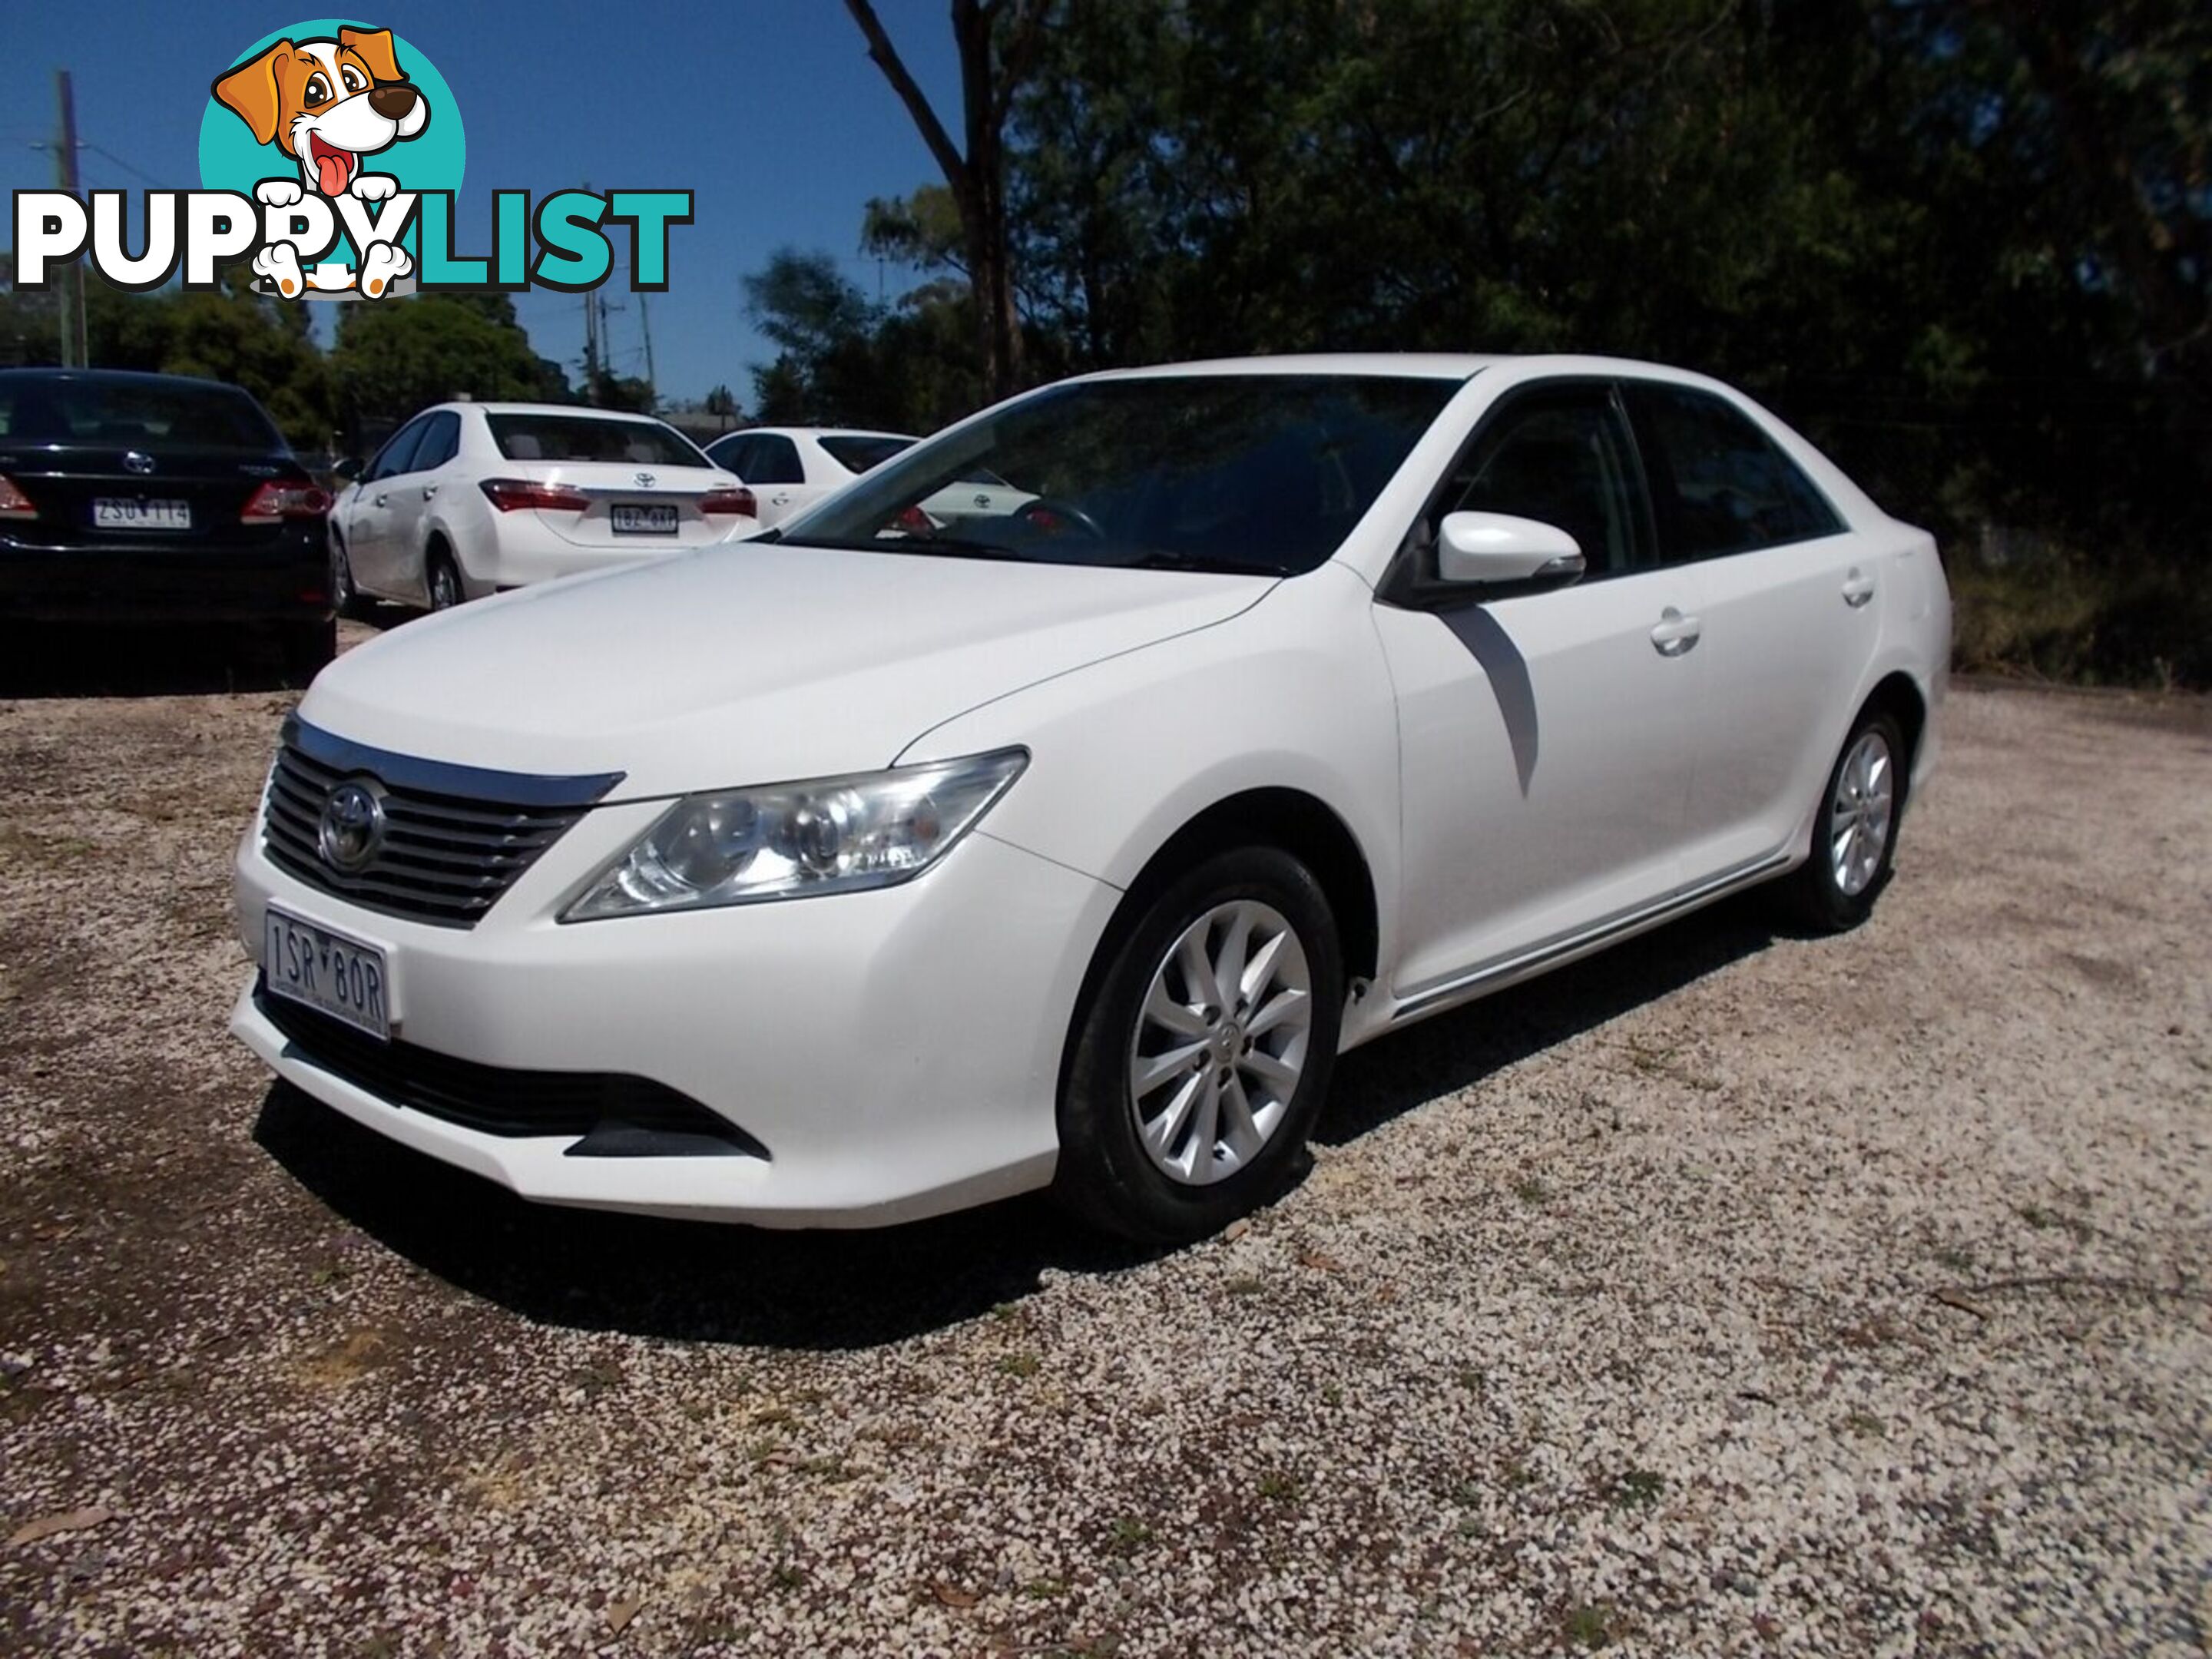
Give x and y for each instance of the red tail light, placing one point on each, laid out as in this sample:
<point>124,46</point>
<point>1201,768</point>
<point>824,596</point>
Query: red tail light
<point>513,494</point>
<point>739,500</point>
<point>14,503</point>
<point>275,501</point>
<point>915,522</point>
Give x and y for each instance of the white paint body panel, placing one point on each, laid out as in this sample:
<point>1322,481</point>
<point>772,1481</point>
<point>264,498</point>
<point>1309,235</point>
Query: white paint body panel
<point>1518,779</point>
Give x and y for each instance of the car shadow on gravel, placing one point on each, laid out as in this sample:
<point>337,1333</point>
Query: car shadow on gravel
<point>174,659</point>
<point>688,1280</point>
<point>698,1281</point>
<point>1444,1055</point>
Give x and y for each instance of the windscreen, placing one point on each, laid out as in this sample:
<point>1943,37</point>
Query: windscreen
<point>134,413</point>
<point>580,438</point>
<point>1258,473</point>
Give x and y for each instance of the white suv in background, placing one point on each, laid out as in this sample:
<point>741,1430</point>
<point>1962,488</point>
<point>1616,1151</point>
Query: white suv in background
<point>469,498</point>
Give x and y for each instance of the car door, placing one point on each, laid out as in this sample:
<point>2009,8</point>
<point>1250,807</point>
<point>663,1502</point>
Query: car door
<point>412,496</point>
<point>1788,629</point>
<point>778,479</point>
<point>1544,737</point>
<point>368,517</point>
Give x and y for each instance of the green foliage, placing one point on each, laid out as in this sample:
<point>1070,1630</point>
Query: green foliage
<point>1966,245</point>
<point>391,360</point>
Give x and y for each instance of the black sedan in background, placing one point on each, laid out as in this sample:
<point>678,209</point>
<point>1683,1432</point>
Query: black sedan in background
<point>156,498</point>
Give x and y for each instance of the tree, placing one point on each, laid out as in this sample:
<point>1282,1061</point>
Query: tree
<point>393,357</point>
<point>998,42</point>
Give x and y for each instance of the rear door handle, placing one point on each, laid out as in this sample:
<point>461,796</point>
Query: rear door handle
<point>379,502</point>
<point>1675,633</point>
<point>429,490</point>
<point>1857,589</point>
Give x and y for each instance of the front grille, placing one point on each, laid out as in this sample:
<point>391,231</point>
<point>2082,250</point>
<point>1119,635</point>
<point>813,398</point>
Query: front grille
<point>447,855</point>
<point>616,1115</point>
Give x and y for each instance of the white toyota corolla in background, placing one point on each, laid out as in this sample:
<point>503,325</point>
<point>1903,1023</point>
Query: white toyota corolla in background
<point>466,499</point>
<point>854,874</point>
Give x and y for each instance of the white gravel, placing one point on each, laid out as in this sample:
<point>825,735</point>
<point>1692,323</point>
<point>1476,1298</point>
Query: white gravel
<point>1730,1294</point>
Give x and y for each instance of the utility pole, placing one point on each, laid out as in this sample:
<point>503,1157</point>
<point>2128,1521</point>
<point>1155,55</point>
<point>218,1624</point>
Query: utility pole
<point>71,299</point>
<point>652,389</point>
<point>591,349</point>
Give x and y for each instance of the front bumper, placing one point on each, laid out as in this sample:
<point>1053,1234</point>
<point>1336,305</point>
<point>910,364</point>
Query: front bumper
<point>283,579</point>
<point>896,1053</point>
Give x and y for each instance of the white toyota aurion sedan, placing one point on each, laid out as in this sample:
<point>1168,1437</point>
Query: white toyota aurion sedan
<point>854,874</point>
<point>466,499</point>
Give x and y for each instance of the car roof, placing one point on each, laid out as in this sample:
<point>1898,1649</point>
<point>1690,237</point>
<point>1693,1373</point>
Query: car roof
<point>1419,365</point>
<point>573,410</point>
<point>816,432</point>
<point>119,376</point>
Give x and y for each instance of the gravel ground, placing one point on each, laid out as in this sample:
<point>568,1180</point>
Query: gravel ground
<point>1731,1293</point>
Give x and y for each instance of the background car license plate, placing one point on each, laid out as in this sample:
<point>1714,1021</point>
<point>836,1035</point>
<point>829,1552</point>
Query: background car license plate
<point>114,512</point>
<point>340,976</point>
<point>645,520</point>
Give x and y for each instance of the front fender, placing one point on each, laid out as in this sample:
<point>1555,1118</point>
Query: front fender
<point>1292,694</point>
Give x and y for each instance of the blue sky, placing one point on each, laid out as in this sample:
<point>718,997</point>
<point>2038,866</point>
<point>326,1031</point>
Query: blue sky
<point>769,110</point>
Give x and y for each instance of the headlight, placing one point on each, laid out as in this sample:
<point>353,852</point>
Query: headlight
<point>790,840</point>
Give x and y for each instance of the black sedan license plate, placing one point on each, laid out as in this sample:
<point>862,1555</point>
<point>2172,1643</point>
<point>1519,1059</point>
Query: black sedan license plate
<point>336,976</point>
<point>124,512</point>
<point>645,520</point>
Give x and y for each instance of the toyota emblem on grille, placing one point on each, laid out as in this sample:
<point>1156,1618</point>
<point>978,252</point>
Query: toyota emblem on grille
<point>352,829</point>
<point>645,481</point>
<point>138,460</point>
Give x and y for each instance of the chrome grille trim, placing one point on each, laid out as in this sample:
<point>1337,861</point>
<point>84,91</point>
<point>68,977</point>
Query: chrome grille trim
<point>456,838</point>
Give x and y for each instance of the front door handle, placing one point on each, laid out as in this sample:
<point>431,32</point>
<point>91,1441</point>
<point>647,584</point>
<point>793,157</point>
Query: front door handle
<point>1857,589</point>
<point>1675,633</point>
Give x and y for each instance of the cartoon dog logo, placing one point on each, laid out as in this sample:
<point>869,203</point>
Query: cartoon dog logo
<point>326,104</point>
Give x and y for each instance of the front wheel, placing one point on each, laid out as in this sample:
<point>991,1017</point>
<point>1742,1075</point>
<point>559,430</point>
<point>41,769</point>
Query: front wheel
<point>1204,1053</point>
<point>1855,831</point>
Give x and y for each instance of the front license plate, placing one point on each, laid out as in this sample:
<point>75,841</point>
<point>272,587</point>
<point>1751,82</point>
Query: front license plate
<point>645,521</point>
<point>339,976</point>
<point>115,513</point>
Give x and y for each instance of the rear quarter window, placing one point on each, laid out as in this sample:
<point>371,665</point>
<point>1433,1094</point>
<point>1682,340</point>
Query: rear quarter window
<point>1719,484</point>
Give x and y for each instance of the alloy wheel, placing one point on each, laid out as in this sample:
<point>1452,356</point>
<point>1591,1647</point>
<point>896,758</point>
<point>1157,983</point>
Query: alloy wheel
<point>445,587</point>
<point>1221,1042</point>
<point>1862,813</point>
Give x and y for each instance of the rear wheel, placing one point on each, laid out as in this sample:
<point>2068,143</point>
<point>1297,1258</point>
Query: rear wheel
<point>345,597</point>
<point>1855,832</point>
<point>443,578</point>
<point>1203,1056</point>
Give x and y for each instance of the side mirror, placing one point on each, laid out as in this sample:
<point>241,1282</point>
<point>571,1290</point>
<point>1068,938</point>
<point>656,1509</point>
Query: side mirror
<point>348,468</point>
<point>1496,548</point>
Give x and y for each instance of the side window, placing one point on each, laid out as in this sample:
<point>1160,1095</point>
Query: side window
<point>1563,459</point>
<point>442,439</point>
<point>775,460</point>
<point>1719,484</point>
<point>397,454</point>
<point>732,454</point>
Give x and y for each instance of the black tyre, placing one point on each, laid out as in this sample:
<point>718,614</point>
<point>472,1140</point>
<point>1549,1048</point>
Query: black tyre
<point>442,577</point>
<point>1855,832</point>
<point>1205,1051</point>
<point>345,597</point>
